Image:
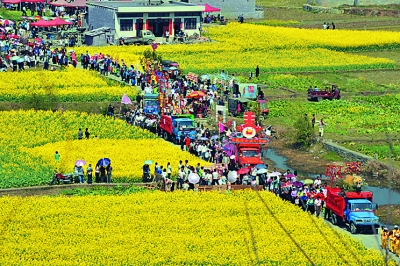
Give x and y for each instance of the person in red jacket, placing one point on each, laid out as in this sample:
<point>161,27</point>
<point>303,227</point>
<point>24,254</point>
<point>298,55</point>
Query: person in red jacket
<point>187,142</point>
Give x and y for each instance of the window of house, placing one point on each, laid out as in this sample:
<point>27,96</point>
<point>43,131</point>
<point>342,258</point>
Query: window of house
<point>126,25</point>
<point>190,23</point>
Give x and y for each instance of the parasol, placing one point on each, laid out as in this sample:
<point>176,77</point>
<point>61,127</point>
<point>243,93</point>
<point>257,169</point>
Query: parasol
<point>297,184</point>
<point>274,174</point>
<point>232,176</point>
<point>148,162</point>
<point>195,94</point>
<point>80,163</point>
<point>308,182</point>
<point>262,171</point>
<point>290,175</point>
<point>232,157</point>
<point>214,137</point>
<point>203,138</point>
<point>261,166</point>
<point>14,58</point>
<point>20,60</point>
<point>194,178</point>
<point>243,171</point>
<point>104,162</point>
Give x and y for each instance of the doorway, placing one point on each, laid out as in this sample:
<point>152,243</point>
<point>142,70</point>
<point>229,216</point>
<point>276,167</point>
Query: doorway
<point>158,26</point>
<point>177,26</point>
<point>138,26</point>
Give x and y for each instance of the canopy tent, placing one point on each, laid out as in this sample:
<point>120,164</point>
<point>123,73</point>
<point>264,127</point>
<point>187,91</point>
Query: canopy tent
<point>11,2</point>
<point>42,23</point>
<point>57,22</point>
<point>76,3</point>
<point>208,8</point>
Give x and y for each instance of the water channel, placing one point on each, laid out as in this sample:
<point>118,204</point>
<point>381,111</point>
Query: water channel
<point>381,195</point>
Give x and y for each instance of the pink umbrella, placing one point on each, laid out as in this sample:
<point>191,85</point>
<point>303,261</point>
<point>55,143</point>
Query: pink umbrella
<point>80,163</point>
<point>290,175</point>
<point>243,171</point>
<point>13,36</point>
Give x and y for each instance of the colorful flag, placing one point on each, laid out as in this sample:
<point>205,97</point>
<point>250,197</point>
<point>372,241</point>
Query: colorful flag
<point>125,99</point>
<point>221,127</point>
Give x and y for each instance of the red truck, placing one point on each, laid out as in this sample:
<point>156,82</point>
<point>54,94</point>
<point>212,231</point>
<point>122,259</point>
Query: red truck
<point>317,95</point>
<point>248,147</point>
<point>355,209</point>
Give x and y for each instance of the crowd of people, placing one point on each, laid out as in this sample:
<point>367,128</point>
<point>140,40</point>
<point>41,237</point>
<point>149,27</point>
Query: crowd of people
<point>22,46</point>
<point>391,239</point>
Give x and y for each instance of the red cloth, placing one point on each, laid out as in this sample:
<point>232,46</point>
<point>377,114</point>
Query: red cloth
<point>187,141</point>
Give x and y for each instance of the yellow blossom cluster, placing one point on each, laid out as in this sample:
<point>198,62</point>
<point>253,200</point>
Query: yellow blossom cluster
<point>29,140</point>
<point>180,228</point>
<point>239,48</point>
<point>68,85</point>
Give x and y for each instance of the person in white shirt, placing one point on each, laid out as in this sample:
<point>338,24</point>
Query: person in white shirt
<point>317,182</point>
<point>169,170</point>
<point>317,204</point>
<point>215,178</point>
<point>181,177</point>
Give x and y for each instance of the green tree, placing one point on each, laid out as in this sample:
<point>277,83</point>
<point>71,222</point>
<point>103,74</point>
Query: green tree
<point>302,135</point>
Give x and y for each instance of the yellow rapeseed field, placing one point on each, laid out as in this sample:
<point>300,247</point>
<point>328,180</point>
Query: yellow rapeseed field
<point>127,155</point>
<point>29,140</point>
<point>68,85</point>
<point>240,47</point>
<point>180,228</point>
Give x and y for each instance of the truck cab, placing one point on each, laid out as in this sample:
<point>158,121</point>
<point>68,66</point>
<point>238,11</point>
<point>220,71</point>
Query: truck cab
<point>354,208</point>
<point>172,127</point>
<point>360,215</point>
<point>151,104</point>
<point>249,154</point>
<point>144,37</point>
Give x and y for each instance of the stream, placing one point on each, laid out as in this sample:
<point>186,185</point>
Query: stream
<point>381,195</point>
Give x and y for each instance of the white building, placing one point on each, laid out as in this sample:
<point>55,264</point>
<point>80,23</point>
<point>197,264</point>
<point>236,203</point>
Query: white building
<point>126,19</point>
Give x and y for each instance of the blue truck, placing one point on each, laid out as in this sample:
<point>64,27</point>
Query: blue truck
<point>151,106</point>
<point>355,209</point>
<point>172,127</point>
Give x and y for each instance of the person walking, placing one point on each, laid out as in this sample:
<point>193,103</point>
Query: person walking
<point>321,128</point>
<point>89,172</point>
<point>87,133</point>
<point>97,174</point>
<point>313,120</point>
<point>80,134</point>
<point>109,173</point>
<point>169,170</point>
<point>311,205</point>
<point>167,36</point>
<point>257,71</point>
<point>318,204</point>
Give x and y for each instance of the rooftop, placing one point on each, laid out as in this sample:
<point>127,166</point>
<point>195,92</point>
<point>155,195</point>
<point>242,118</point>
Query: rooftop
<point>118,4</point>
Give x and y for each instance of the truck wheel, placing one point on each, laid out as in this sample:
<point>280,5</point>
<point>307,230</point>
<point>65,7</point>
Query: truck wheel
<point>319,99</point>
<point>353,228</point>
<point>166,136</point>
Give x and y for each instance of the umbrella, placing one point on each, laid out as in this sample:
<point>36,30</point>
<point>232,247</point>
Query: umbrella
<point>13,36</point>
<point>262,171</point>
<point>14,58</point>
<point>232,157</point>
<point>297,184</point>
<point>194,178</point>
<point>243,171</point>
<point>195,94</point>
<point>290,175</point>
<point>203,138</point>
<point>173,68</point>
<point>38,40</point>
<point>232,176</point>
<point>261,166</point>
<point>70,51</point>
<point>275,174</point>
<point>104,162</point>
<point>214,137</point>
<point>20,60</point>
<point>80,163</point>
<point>203,77</point>
<point>148,162</point>
<point>308,182</point>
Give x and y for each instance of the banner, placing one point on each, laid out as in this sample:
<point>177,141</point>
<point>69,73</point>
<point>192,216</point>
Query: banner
<point>125,99</point>
<point>221,127</point>
<point>248,90</point>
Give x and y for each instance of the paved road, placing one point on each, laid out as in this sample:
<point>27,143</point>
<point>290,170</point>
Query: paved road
<point>369,240</point>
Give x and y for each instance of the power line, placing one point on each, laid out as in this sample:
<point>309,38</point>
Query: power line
<point>284,229</point>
